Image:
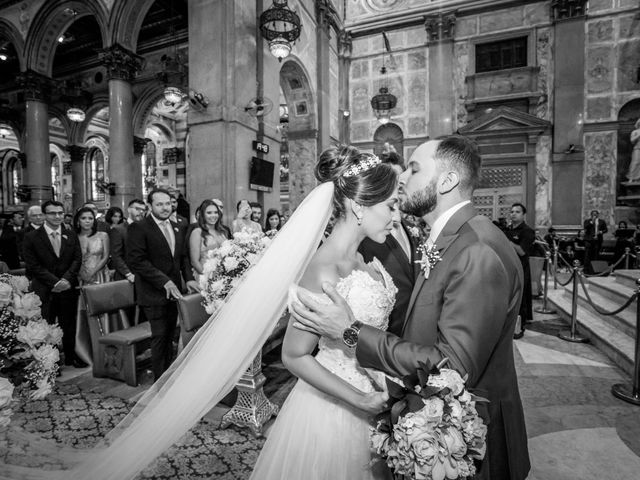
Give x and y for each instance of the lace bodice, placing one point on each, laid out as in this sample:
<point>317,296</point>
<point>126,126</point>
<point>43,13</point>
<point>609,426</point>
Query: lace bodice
<point>371,302</point>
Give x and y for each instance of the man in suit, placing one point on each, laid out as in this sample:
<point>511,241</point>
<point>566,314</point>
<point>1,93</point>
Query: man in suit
<point>156,255</point>
<point>53,257</point>
<point>594,229</point>
<point>118,240</point>
<point>397,255</point>
<point>10,240</point>
<point>465,310</point>
<point>175,216</point>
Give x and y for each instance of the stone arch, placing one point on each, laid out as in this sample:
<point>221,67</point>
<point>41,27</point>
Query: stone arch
<point>11,33</point>
<point>147,99</point>
<point>52,20</point>
<point>300,137</point>
<point>388,133</point>
<point>126,20</point>
<point>78,132</point>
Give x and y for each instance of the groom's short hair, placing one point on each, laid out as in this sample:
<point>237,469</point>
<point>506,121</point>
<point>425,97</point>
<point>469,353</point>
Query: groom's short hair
<point>461,154</point>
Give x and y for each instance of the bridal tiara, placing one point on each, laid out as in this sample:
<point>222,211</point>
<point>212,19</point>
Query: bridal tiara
<point>368,163</point>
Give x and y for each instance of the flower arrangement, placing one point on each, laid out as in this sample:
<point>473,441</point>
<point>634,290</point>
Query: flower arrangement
<point>28,353</point>
<point>225,266</point>
<point>429,258</point>
<point>433,430</point>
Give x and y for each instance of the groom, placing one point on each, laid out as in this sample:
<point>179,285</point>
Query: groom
<point>465,310</point>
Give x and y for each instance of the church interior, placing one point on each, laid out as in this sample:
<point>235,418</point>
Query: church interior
<point>103,100</point>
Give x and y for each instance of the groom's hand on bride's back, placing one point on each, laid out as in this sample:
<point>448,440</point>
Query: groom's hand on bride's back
<point>325,320</point>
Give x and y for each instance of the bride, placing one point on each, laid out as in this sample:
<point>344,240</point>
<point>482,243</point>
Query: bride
<point>322,430</point>
<point>324,424</point>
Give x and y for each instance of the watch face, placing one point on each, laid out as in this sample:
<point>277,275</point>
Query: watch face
<point>350,337</point>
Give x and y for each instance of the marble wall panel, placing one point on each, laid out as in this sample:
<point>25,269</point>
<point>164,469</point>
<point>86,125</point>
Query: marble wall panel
<point>334,82</point>
<point>460,72</point>
<point>501,20</point>
<point>417,94</point>
<point>599,108</point>
<point>599,181</point>
<point>360,132</point>
<point>543,181</point>
<point>600,31</point>
<point>599,5</point>
<point>600,67</point>
<point>393,63</point>
<point>544,58</point>
<point>466,26</point>
<point>502,83</point>
<point>628,64</point>
<point>415,37</point>
<point>360,107</point>
<point>359,69</point>
<point>417,60</point>
<point>536,13</point>
<point>360,46</point>
<point>629,26</point>
<point>302,160</point>
<point>628,3</point>
<point>417,126</point>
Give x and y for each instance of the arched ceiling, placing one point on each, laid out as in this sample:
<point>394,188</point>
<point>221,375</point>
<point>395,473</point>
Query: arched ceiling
<point>77,46</point>
<point>165,19</point>
<point>9,61</point>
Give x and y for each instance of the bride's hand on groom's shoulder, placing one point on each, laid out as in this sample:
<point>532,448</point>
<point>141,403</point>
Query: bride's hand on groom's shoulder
<point>316,317</point>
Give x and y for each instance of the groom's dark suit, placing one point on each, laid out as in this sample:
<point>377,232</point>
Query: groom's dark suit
<point>402,271</point>
<point>466,311</point>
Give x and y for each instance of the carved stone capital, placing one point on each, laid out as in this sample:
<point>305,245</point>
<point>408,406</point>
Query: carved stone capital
<point>139,144</point>
<point>564,9</point>
<point>76,152</point>
<point>345,44</point>
<point>36,87</point>
<point>326,15</point>
<point>440,27</point>
<point>121,64</point>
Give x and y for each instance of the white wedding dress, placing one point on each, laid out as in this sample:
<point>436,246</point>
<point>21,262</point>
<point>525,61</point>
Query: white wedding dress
<point>316,436</point>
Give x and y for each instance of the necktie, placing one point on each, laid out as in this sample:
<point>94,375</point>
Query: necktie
<point>167,234</point>
<point>55,241</point>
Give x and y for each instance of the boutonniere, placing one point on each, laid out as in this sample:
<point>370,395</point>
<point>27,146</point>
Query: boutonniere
<point>175,229</point>
<point>414,232</point>
<point>429,258</point>
<point>65,237</point>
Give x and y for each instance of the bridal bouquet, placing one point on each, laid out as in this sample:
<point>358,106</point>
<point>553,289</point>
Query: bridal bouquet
<point>433,430</point>
<point>28,353</point>
<point>225,266</point>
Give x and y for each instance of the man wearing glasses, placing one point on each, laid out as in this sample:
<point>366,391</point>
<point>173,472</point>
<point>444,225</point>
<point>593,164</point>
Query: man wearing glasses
<point>52,258</point>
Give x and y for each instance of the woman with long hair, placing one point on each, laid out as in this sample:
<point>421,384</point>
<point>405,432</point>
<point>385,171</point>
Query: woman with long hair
<point>114,216</point>
<point>272,224</point>
<point>207,236</point>
<point>94,245</point>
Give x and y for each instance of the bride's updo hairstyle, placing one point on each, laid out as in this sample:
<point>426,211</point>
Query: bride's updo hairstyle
<point>356,176</point>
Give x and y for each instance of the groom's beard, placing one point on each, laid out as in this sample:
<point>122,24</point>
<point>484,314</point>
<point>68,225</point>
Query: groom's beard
<point>421,203</point>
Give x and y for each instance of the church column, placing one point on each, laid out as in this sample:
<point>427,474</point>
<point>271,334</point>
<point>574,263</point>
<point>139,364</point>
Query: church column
<point>37,91</point>
<point>345,46</point>
<point>323,100</point>
<point>440,32</point>
<point>568,17</point>
<point>139,145</point>
<point>77,154</point>
<point>122,66</point>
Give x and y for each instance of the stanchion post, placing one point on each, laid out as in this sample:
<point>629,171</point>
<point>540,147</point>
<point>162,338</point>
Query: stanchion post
<point>547,265</point>
<point>627,252</point>
<point>572,335</point>
<point>623,391</point>
<point>555,269</point>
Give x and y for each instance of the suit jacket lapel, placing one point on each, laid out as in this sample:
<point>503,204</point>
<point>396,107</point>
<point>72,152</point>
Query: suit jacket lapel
<point>155,227</point>
<point>47,242</point>
<point>398,252</point>
<point>177,239</point>
<point>447,236</point>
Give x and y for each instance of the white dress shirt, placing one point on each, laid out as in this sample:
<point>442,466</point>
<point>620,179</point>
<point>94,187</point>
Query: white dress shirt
<point>161,223</point>
<point>442,220</point>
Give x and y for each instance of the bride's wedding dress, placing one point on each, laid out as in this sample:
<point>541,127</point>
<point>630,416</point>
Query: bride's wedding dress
<point>315,435</point>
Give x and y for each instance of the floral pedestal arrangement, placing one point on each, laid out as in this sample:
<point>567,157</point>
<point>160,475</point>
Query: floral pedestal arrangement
<point>28,354</point>
<point>252,408</point>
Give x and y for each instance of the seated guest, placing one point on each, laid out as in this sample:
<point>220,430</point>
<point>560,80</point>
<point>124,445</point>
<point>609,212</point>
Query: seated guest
<point>114,216</point>
<point>552,239</point>
<point>10,240</point>
<point>207,236</point>
<point>243,219</point>
<point>579,246</point>
<point>118,240</point>
<point>624,239</point>
<point>53,258</point>
<point>273,223</point>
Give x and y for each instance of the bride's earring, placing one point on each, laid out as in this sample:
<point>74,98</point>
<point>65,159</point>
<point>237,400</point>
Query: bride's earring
<point>359,217</point>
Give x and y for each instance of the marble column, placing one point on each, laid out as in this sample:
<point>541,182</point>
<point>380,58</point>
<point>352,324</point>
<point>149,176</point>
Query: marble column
<point>77,154</point>
<point>37,91</point>
<point>440,33</point>
<point>122,66</point>
<point>139,145</point>
<point>345,48</point>
<point>323,38</point>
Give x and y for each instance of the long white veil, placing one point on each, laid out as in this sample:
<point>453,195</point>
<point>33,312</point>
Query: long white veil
<point>208,368</point>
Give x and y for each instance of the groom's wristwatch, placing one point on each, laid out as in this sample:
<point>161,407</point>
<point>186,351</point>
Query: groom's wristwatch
<point>350,334</point>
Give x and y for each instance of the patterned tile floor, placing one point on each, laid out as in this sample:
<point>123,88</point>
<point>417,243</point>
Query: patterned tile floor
<point>576,428</point>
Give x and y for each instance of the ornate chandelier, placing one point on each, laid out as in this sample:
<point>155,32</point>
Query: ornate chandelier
<point>281,27</point>
<point>76,114</point>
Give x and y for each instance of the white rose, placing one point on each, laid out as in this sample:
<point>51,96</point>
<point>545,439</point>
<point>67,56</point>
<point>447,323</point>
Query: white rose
<point>447,379</point>
<point>27,306</point>
<point>6,293</point>
<point>55,335</point>
<point>225,249</point>
<point>5,417</point>
<point>33,333</point>
<point>48,355</point>
<point>20,283</point>
<point>230,263</point>
<point>6,392</point>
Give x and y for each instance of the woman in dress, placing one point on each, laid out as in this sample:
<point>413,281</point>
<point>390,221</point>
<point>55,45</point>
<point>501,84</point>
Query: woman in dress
<point>243,219</point>
<point>272,223</point>
<point>94,245</point>
<point>322,431</point>
<point>207,236</point>
<point>114,216</point>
